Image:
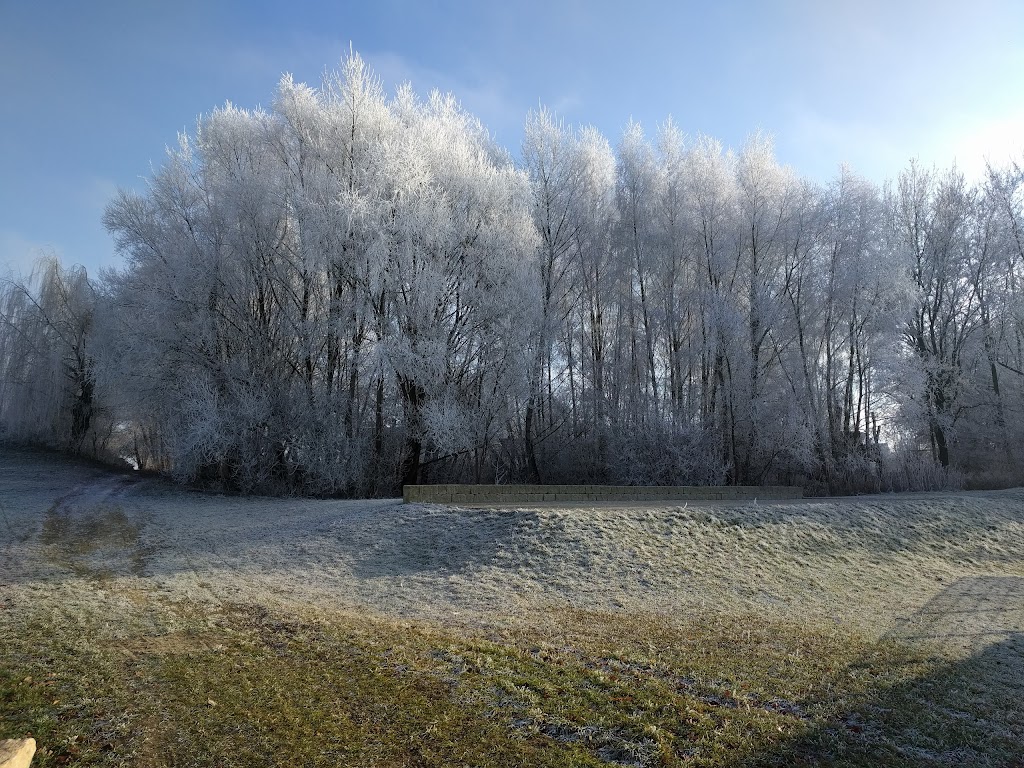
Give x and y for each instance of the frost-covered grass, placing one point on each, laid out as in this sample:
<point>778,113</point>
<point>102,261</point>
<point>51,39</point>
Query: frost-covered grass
<point>146,625</point>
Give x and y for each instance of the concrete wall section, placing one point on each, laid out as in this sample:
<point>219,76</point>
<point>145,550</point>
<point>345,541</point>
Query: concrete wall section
<point>529,494</point>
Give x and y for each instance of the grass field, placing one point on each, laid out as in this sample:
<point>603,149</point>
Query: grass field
<point>141,624</point>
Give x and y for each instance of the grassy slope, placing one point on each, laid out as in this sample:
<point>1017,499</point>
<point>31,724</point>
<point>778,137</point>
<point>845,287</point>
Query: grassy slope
<point>108,667</point>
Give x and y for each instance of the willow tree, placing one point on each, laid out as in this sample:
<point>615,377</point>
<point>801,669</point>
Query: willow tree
<point>47,358</point>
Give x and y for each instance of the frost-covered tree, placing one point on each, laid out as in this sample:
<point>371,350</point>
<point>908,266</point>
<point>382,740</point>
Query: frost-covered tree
<point>289,270</point>
<point>457,274</point>
<point>351,290</point>
<point>931,216</point>
<point>555,163</point>
<point>47,366</point>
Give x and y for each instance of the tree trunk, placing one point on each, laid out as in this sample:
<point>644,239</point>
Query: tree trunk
<point>412,403</point>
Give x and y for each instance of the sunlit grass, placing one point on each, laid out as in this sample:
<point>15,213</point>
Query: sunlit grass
<point>149,682</point>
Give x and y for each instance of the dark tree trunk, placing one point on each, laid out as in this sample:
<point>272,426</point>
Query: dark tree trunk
<point>412,402</point>
<point>941,448</point>
<point>81,409</point>
<point>378,422</point>
<point>531,448</point>
<point>411,462</point>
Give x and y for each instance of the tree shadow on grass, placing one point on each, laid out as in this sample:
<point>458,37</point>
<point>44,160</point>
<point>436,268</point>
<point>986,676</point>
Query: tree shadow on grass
<point>381,543</point>
<point>444,540</point>
<point>969,615</point>
<point>966,710</point>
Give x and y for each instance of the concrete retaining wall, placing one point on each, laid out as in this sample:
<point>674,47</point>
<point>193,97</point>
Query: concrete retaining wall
<point>515,494</point>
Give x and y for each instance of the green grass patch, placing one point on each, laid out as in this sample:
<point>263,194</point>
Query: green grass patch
<point>149,683</point>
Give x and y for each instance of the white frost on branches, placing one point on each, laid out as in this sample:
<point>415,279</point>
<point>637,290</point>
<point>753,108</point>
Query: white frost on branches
<point>352,290</point>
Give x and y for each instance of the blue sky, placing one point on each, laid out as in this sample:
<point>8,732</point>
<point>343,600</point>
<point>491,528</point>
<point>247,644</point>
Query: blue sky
<point>92,92</point>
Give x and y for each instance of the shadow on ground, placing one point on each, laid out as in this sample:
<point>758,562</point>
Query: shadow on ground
<point>102,530</point>
<point>966,711</point>
<point>969,615</point>
<point>434,539</point>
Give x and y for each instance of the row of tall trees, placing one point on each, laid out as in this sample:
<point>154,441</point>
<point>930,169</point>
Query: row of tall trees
<point>351,291</point>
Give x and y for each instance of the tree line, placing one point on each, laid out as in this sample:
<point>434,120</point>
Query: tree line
<point>351,291</point>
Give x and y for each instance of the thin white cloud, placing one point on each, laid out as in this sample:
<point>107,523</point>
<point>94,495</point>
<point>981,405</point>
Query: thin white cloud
<point>879,149</point>
<point>18,254</point>
<point>309,56</point>
<point>305,56</point>
<point>819,144</point>
<point>97,192</point>
<point>975,141</point>
<point>566,105</point>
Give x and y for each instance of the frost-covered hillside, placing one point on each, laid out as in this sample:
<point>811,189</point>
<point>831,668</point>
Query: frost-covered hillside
<point>872,563</point>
